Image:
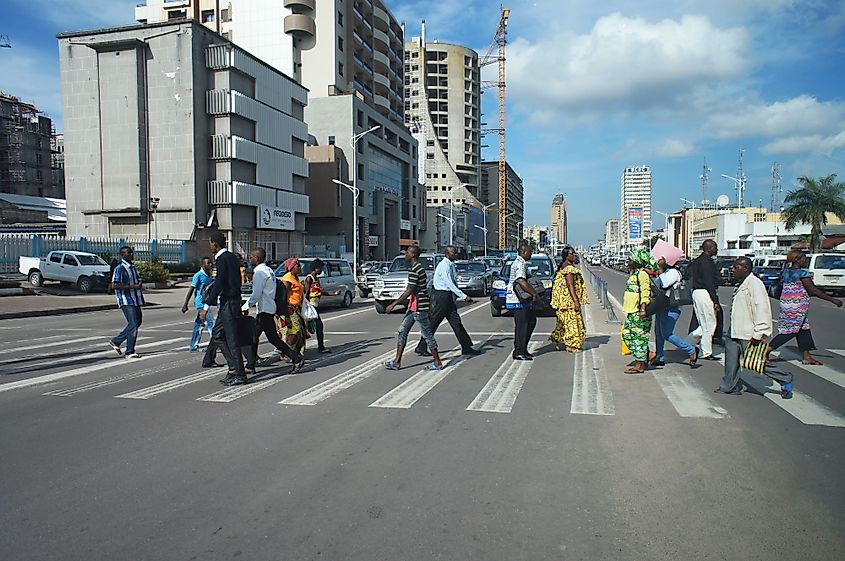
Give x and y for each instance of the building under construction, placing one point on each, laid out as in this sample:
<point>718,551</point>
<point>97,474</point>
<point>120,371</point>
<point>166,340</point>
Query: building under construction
<point>26,151</point>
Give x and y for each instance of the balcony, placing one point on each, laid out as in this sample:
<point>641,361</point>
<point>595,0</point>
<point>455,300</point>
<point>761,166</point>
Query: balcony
<point>382,63</point>
<point>382,83</point>
<point>363,64</point>
<point>362,18</point>
<point>381,40</point>
<point>300,26</point>
<point>295,5</point>
<point>381,19</point>
<point>361,41</point>
<point>381,102</point>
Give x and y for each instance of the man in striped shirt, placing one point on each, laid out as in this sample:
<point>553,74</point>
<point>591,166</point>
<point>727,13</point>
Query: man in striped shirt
<point>127,287</point>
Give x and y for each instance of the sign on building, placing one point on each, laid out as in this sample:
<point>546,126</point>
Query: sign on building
<point>635,224</point>
<point>274,218</point>
<point>405,224</point>
<point>372,241</point>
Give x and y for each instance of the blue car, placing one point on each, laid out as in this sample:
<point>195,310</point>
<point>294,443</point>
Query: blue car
<point>771,277</point>
<point>540,265</point>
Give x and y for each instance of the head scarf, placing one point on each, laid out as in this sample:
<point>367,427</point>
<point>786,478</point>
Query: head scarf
<point>643,258</point>
<point>290,263</point>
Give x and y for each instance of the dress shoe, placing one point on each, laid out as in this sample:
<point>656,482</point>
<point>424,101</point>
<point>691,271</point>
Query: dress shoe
<point>471,352</point>
<point>235,381</point>
<point>529,355</point>
<point>523,357</point>
<point>212,365</point>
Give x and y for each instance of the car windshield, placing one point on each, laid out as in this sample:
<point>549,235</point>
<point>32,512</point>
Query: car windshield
<point>539,266</point>
<point>399,264</point>
<point>470,267</point>
<point>830,262</point>
<point>91,260</point>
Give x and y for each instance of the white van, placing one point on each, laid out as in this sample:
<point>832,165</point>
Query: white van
<point>828,271</point>
<point>769,261</point>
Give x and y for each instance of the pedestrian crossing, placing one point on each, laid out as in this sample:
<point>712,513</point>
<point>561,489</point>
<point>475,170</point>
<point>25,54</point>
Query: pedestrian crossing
<point>591,393</point>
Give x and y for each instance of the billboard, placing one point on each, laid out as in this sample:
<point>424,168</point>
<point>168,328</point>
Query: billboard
<point>274,218</point>
<point>635,224</point>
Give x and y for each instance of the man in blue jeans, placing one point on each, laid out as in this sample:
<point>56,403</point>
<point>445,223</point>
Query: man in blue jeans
<point>126,283</point>
<point>201,280</point>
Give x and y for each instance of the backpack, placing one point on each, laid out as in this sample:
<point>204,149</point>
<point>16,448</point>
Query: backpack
<point>281,298</point>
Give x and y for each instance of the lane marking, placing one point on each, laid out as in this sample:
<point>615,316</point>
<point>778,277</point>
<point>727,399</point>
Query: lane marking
<point>591,393</point>
<point>63,360</point>
<point>84,370</point>
<point>687,398</point>
<point>170,385</point>
<point>228,395</point>
<point>327,319</point>
<point>42,345</point>
<point>414,388</point>
<point>822,371</point>
<point>326,389</point>
<point>503,387</point>
<point>73,390</point>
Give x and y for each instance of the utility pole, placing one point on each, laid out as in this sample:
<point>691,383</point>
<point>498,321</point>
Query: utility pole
<point>776,188</point>
<point>705,174</point>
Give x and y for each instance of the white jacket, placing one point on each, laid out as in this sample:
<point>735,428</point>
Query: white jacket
<point>751,314</point>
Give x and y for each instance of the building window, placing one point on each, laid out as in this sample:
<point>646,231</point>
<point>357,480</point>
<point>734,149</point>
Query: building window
<point>340,18</point>
<point>340,44</point>
<point>39,177</point>
<point>331,140</point>
<point>340,68</point>
<point>225,14</point>
<point>429,156</point>
<point>360,118</point>
<point>207,16</point>
<point>177,14</point>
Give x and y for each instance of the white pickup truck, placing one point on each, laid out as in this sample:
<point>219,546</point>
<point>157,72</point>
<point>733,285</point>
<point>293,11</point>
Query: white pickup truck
<point>86,270</point>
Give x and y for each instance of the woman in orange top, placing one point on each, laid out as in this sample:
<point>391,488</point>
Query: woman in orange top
<point>294,332</point>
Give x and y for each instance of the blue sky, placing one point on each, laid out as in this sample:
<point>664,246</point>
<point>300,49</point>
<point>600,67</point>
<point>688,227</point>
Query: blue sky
<point>594,87</point>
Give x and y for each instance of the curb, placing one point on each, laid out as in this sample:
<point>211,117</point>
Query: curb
<point>16,292</point>
<point>63,311</point>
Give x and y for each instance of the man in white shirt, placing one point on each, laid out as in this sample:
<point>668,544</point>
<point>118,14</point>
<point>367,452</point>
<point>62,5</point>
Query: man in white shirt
<point>751,321</point>
<point>263,297</point>
<point>443,296</point>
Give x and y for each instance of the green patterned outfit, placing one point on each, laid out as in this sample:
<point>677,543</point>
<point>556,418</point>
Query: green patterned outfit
<point>636,330</point>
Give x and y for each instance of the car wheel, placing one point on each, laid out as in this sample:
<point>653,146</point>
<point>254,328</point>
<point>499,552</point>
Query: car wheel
<point>36,278</point>
<point>85,284</point>
<point>347,299</point>
<point>494,311</point>
<point>381,307</point>
<point>363,293</point>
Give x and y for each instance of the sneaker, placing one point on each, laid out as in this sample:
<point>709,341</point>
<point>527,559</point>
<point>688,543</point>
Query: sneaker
<point>133,355</point>
<point>323,351</point>
<point>115,348</point>
<point>786,391</point>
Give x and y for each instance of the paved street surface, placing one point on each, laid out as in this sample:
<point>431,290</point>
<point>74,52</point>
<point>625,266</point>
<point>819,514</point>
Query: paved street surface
<point>560,458</point>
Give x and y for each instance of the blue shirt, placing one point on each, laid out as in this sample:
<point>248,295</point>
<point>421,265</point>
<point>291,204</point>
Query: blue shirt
<point>199,282</point>
<point>444,278</point>
<point>126,273</point>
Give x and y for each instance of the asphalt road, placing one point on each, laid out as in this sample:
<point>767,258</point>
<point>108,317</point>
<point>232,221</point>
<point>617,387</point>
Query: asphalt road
<point>561,458</point>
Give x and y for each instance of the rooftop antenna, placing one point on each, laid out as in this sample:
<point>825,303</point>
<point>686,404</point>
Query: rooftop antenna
<point>776,188</point>
<point>739,181</point>
<point>705,174</point>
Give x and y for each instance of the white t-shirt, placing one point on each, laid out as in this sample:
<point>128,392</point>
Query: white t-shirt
<point>669,278</point>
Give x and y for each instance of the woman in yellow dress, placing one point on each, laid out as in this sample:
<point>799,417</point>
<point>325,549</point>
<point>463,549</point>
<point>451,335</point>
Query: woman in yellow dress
<point>294,332</point>
<point>569,293</point>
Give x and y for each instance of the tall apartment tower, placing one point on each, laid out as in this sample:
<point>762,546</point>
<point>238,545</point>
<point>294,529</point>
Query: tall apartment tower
<point>514,198</point>
<point>560,219</point>
<point>25,151</point>
<point>635,219</point>
<point>443,103</point>
<point>611,235</point>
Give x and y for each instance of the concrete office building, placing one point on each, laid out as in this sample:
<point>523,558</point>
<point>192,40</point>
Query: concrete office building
<point>514,196</point>
<point>390,208</point>
<point>560,224</point>
<point>443,102</point>
<point>635,207</point>
<point>170,130</point>
<point>541,235</point>
<point>611,235</point>
<point>25,151</point>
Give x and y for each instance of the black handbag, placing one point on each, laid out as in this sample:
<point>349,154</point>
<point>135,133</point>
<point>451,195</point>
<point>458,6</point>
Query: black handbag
<point>534,282</point>
<point>680,294</point>
<point>658,301</point>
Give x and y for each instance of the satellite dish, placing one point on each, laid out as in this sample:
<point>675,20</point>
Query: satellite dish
<point>722,201</point>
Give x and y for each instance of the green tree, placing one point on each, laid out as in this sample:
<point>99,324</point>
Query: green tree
<point>810,203</point>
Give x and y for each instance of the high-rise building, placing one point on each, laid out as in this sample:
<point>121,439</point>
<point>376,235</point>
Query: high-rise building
<point>25,151</point>
<point>611,235</point>
<point>560,225</point>
<point>171,129</point>
<point>538,234</point>
<point>513,211</point>
<point>635,219</point>
<point>443,103</point>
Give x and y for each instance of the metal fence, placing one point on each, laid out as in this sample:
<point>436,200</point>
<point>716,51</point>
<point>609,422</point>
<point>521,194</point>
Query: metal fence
<point>14,246</point>
<point>600,287</point>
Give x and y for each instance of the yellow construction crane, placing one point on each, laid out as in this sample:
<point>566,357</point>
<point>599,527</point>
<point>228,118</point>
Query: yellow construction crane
<point>496,53</point>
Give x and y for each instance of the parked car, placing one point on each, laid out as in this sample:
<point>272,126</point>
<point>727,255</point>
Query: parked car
<point>540,264</point>
<point>725,268</point>
<point>771,277</point>
<point>828,271</point>
<point>336,276</point>
<point>769,261</point>
<point>367,280</point>
<point>474,276</point>
<point>86,270</point>
<point>392,284</point>
<point>493,263</point>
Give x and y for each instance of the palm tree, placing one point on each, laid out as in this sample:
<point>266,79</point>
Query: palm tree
<point>809,204</point>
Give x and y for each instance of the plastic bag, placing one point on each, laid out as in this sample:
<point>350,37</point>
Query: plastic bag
<point>309,312</point>
<point>623,348</point>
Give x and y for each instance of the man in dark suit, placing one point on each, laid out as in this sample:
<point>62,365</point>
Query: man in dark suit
<point>226,288</point>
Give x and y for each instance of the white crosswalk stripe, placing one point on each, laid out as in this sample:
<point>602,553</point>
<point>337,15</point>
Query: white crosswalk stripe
<point>170,385</point>
<point>591,393</point>
<point>228,395</point>
<point>45,342</point>
<point>47,378</point>
<point>74,357</point>
<point>503,387</point>
<point>688,399</point>
<point>822,371</point>
<point>81,388</point>
<point>414,388</point>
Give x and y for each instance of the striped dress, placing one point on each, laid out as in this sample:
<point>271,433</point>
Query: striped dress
<point>794,302</point>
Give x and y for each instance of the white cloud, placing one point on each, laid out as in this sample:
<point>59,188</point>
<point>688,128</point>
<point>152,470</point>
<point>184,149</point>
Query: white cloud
<point>624,64</point>
<point>674,148</point>
<point>800,116</point>
<point>810,144</point>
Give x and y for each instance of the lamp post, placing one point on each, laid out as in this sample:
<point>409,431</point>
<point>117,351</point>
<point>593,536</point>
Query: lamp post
<point>355,192</point>
<point>451,224</point>
<point>354,142</point>
<point>154,207</point>
<point>484,210</point>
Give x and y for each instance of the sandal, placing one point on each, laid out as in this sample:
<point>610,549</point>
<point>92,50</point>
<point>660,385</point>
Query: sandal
<point>297,366</point>
<point>391,365</point>
<point>812,362</point>
<point>634,370</point>
<point>433,367</point>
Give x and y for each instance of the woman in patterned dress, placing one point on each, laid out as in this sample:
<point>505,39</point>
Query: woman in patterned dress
<point>635,331</point>
<point>294,333</point>
<point>568,295</point>
<point>798,287</point>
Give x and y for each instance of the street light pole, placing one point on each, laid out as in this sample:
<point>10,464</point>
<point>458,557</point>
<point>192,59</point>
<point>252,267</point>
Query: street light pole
<point>484,209</point>
<point>451,224</point>
<point>354,187</point>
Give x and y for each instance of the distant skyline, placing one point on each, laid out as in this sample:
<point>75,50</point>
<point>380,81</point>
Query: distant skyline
<point>594,88</point>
